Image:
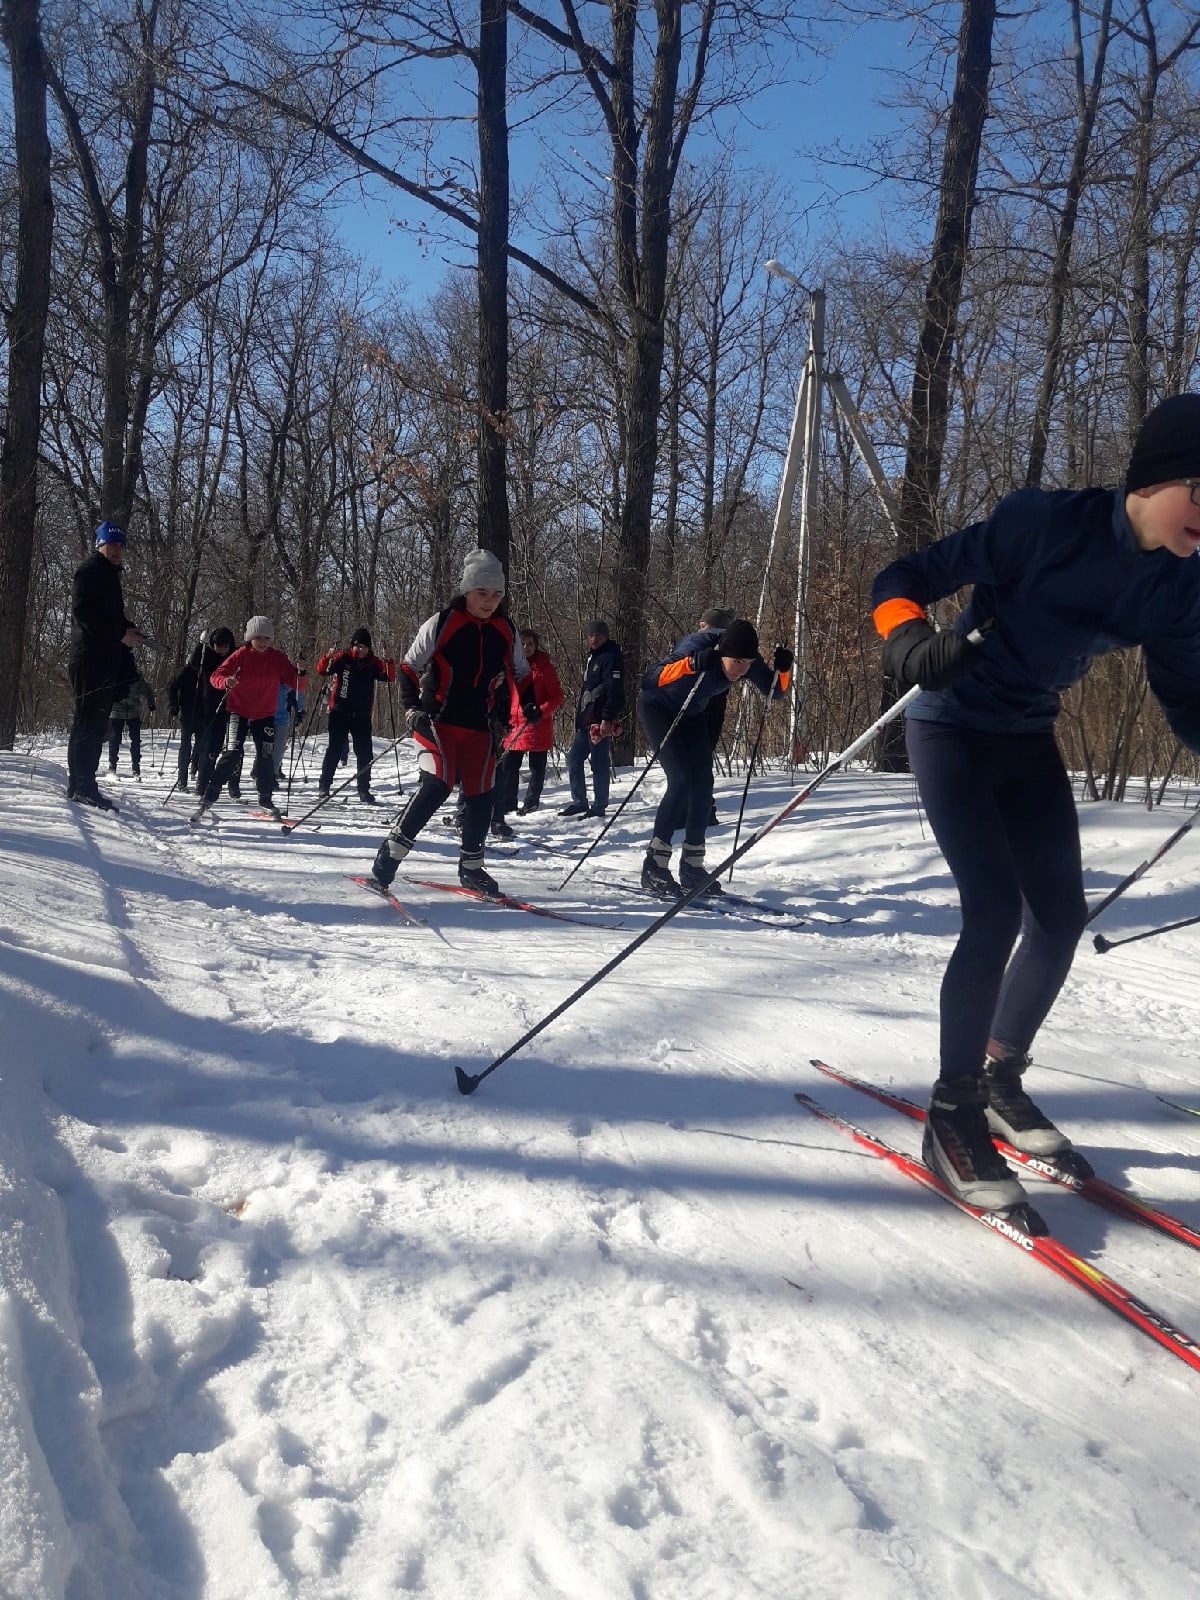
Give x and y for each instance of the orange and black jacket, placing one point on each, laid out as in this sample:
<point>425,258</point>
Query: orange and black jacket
<point>668,683</point>
<point>456,666</point>
<point>354,680</point>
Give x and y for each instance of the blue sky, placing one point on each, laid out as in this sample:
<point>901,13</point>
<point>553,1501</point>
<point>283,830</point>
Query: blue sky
<point>834,97</point>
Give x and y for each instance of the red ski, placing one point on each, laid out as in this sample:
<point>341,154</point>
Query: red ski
<point>1091,1188</point>
<point>1046,1249</point>
<point>386,894</point>
<point>507,901</point>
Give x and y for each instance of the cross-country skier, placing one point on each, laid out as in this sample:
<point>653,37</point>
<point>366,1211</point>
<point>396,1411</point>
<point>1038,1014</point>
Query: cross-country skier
<point>354,672</point>
<point>460,660</point>
<point>192,698</point>
<point>535,740</point>
<point>718,658</point>
<point>252,675</point>
<point>598,712</point>
<point>127,713</point>
<point>101,662</point>
<point>1060,576</point>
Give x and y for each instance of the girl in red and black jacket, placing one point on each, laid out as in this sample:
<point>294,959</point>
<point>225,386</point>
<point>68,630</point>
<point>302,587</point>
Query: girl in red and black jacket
<point>535,740</point>
<point>251,678</point>
<point>354,672</point>
<point>449,679</point>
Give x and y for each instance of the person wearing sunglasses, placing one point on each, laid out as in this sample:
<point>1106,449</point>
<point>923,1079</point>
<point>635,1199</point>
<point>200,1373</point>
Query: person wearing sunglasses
<point>1059,576</point>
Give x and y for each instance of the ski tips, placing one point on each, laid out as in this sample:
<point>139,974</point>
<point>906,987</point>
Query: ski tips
<point>467,1083</point>
<point>1102,944</point>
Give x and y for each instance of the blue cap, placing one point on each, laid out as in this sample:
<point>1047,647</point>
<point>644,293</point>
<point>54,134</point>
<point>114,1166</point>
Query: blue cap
<point>109,533</point>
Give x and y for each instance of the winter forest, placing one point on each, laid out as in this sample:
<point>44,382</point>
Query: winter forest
<point>598,382</point>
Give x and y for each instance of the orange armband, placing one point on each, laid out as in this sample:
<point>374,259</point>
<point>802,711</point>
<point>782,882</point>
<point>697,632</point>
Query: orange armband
<point>892,614</point>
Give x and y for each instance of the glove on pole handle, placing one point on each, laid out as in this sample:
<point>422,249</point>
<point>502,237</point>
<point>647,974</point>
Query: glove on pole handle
<point>290,827</point>
<point>762,722</point>
<point>469,1082</point>
<point>1127,883</point>
<point>636,785</point>
<point>1103,945</point>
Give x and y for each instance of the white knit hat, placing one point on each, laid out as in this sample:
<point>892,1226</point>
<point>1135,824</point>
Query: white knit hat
<point>259,628</point>
<point>482,570</point>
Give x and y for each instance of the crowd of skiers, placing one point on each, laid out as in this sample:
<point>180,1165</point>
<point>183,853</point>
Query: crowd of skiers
<point>1059,577</point>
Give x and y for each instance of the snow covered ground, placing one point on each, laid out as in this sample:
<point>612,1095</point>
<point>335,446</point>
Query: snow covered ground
<point>283,1314</point>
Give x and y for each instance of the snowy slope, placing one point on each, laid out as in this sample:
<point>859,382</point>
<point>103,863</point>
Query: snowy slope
<point>282,1314</point>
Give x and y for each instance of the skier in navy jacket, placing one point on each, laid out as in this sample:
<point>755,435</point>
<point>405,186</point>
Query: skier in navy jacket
<point>1059,577</point>
<point>702,667</point>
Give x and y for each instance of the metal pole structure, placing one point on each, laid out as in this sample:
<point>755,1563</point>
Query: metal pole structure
<point>866,449</point>
<point>808,495</point>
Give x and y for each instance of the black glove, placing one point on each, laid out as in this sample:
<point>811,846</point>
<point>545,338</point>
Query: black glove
<point>532,712</point>
<point>915,655</point>
<point>783,659</point>
<point>290,702</point>
<point>704,659</point>
<point>153,704</point>
<point>418,721</point>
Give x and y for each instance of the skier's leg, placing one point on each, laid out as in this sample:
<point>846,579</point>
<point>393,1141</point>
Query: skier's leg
<point>439,773</point>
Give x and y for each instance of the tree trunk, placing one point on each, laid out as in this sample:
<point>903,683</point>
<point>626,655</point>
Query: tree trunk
<point>935,349</point>
<point>492,255</point>
<point>26,327</point>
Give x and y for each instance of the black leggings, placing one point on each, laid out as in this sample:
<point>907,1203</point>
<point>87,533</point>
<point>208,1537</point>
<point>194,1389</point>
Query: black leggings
<point>687,761</point>
<point>1001,808</point>
<point>342,729</point>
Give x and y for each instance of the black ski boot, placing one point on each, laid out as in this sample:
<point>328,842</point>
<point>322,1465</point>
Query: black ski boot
<point>1014,1117</point>
<point>693,872</point>
<point>366,798</point>
<point>388,858</point>
<point>577,808</point>
<point>473,875</point>
<point>656,871</point>
<point>958,1147</point>
<point>197,816</point>
<point>501,830</point>
<point>93,797</point>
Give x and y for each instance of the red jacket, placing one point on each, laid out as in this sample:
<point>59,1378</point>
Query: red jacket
<point>547,691</point>
<point>256,693</point>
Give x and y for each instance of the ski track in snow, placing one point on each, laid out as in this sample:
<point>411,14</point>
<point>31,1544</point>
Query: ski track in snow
<point>281,1314</point>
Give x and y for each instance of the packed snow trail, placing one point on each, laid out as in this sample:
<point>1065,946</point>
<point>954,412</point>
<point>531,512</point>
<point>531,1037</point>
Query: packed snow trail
<point>281,1314</point>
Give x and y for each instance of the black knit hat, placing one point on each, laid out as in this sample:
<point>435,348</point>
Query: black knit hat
<point>361,636</point>
<point>221,636</point>
<point>1167,445</point>
<point>740,640</point>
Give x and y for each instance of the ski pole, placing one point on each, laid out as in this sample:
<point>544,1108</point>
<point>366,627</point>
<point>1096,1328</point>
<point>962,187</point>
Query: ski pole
<point>290,827</point>
<point>209,724</point>
<point>636,784</point>
<point>762,722</point>
<point>308,724</point>
<point>1102,944</point>
<point>1127,883</point>
<point>391,699</point>
<point>468,1082</point>
<point>162,765</point>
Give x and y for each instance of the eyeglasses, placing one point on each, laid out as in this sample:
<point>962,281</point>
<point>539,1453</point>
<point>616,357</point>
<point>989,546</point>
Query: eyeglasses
<point>1193,486</point>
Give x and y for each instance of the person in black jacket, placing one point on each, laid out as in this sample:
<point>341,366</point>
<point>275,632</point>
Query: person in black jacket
<point>192,698</point>
<point>354,672</point>
<point>101,664</point>
<point>598,712</point>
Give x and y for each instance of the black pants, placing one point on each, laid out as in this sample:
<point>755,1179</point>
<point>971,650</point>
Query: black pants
<point>115,725</point>
<point>94,694</point>
<point>344,727</point>
<point>191,743</point>
<point>207,750</point>
<point>229,767</point>
<point>508,780</point>
<point>687,761</point>
<point>475,812</point>
<point>1001,809</point>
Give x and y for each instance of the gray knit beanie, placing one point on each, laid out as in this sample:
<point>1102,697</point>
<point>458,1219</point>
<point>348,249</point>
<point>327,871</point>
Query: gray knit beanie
<point>482,570</point>
<point>259,628</point>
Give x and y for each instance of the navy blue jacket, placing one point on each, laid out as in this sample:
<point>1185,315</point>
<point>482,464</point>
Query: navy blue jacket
<point>1064,579</point>
<point>668,683</point>
<point>602,697</point>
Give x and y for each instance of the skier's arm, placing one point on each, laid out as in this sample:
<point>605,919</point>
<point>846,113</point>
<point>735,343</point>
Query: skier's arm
<point>229,668</point>
<point>774,680</point>
<point>416,658</point>
<point>555,698</point>
<point>1173,671</point>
